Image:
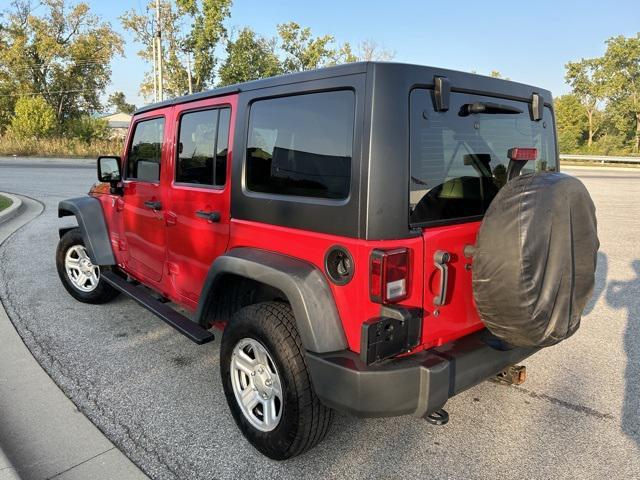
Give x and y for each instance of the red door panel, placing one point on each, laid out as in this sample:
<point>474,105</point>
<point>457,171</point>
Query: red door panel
<point>143,198</point>
<point>193,240</point>
<point>458,315</point>
<point>144,229</point>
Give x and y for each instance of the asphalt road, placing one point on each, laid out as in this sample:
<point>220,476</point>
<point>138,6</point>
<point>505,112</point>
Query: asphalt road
<point>159,399</point>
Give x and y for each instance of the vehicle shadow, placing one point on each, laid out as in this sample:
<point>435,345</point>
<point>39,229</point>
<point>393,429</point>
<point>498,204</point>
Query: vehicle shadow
<point>626,295</point>
<point>602,271</point>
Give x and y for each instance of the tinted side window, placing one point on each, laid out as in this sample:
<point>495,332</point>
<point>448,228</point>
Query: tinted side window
<point>202,147</point>
<point>302,145</point>
<point>143,160</point>
<point>222,147</point>
<point>196,147</point>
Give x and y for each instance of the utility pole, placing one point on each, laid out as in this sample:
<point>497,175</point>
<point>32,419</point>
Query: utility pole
<point>155,72</point>
<point>159,38</point>
<point>189,72</point>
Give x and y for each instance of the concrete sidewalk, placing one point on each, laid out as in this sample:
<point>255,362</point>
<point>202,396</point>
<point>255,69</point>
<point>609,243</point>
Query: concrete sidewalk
<point>42,433</point>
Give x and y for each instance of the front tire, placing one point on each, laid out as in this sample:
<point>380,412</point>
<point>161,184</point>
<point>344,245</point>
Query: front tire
<point>267,383</point>
<point>78,274</point>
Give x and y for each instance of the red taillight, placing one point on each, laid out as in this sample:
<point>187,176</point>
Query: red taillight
<point>389,275</point>
<point>522,154</point>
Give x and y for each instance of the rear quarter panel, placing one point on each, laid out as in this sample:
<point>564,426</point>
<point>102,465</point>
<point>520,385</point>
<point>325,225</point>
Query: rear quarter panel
<point>352,300</point>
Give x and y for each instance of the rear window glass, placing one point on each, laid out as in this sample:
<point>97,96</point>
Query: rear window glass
<point>301,145</point>
<point>143,161</point>
<point>459,159</point>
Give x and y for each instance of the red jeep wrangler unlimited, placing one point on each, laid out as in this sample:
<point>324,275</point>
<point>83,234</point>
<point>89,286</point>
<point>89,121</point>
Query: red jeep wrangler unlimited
<point>373,238</point>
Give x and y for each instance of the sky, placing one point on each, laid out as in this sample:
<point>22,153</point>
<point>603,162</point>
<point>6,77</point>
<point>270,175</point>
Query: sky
<point>527,41</point>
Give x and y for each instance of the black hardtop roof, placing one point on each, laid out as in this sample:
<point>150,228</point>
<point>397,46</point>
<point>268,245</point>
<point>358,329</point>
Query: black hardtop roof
<point>460,81</point>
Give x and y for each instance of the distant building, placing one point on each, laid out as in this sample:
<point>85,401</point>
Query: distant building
<point>118,124</point>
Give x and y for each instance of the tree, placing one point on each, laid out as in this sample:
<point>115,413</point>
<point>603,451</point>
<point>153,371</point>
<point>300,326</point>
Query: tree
<point>63,55</point>
<point>344,54</point>
<point>303,51</point>
<point>493,74</point>
<point>207,30</point>
<point>497,74</point>
<point>33,118</point>
<point>249,57</point>
<point>144,29</point>
<point>620,73</point>
<point>119,102</point>
<point>585,78</point>
<point>572,123</point>
<point>615,131</point>
<point>369,50</point>
<point>179,44</point>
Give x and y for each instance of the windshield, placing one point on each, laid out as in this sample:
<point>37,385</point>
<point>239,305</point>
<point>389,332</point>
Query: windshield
<point>459,157</point>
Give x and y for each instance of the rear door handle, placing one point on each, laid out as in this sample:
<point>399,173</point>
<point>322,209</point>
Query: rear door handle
<point>153,205</point>
<point>440,260</point>
<point>212,217</point>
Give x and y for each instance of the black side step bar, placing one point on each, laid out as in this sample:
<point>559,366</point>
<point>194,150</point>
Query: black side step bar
<point>189,329</point>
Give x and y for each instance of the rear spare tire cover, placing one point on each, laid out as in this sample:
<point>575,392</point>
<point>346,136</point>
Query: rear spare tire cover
<point>535,259</point>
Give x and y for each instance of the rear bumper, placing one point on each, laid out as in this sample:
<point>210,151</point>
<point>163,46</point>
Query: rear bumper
<point>417,384</point>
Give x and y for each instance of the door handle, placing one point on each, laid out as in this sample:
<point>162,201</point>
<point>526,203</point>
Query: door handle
<point>153,205</point>
<point>212,217</point>
<point>440,260</point>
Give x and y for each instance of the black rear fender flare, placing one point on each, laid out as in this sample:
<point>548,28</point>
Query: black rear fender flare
<point>304,286</point>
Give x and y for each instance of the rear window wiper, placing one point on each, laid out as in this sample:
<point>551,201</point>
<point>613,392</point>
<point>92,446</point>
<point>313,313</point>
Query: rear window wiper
<point>419,181</point>
<point>486,107</point>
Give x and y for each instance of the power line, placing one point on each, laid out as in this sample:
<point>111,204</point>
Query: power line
<point>70,62</point>
<point>55,92</point>
<point>22,68</point>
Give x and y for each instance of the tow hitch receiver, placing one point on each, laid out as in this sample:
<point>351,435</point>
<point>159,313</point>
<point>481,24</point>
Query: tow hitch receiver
<point>439,417</point>
<point>512,375</point>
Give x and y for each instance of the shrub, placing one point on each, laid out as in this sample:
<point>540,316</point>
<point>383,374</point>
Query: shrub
<point>88,129</point>
<point>33,117</point>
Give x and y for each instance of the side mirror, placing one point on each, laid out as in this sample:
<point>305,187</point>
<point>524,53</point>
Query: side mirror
<point>109,171</point>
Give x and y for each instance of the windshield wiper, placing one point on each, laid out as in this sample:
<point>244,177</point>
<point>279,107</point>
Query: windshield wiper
<point>486,107</point>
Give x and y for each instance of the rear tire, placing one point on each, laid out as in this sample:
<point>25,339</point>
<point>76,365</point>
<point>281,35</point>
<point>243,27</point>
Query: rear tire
<point>302,421</point>
<point>78,275</point>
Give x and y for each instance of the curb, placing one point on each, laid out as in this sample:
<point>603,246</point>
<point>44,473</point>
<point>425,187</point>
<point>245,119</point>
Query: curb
<point>7,471</point>
<point>44,435</point>
<point>11,211</point>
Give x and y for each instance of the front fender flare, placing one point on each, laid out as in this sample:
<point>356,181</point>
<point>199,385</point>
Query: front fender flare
<point>303,284</point>
<point>90,216</point>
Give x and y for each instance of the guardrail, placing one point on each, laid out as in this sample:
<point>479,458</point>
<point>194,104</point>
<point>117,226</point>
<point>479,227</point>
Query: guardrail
<point>600,158</point>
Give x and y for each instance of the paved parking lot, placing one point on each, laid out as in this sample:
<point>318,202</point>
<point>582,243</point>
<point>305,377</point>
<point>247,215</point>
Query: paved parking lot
<point>159,399</point>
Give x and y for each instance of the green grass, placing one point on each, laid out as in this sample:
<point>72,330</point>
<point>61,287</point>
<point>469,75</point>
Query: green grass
<point>4,203</point>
